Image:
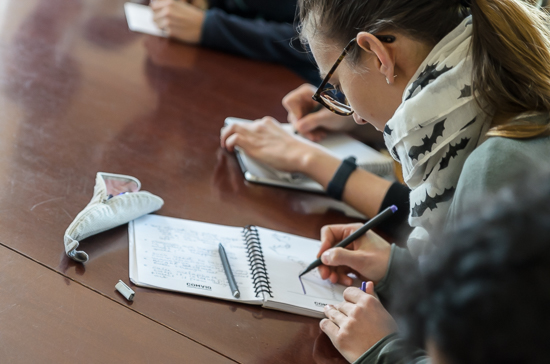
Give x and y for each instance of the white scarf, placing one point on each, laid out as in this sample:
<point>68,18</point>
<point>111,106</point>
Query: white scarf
<point>434,130</point>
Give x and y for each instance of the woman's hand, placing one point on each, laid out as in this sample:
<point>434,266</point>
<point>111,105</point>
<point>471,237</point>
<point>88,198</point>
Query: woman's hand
<point>313,125</point>
<point>179,19</point>
<point>367,257</point>
<point>265,140</point>
<point>358,323</point>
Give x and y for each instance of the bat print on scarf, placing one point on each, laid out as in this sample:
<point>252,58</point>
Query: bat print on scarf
<point>433,131</point>
<point>428,75</point>
<point>428,141</point>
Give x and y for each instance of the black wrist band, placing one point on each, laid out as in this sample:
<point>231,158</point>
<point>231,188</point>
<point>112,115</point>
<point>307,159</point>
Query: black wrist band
<point>335,187</point>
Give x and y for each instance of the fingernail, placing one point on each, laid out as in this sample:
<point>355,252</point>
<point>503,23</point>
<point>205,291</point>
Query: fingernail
<point>328,307</point>
<point>364,286</point>
<point>326,257</point>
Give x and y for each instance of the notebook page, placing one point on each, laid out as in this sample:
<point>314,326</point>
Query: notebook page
<point>140,19</point>
<point>342,146</point>
<point>286,256</point>
<point>182,255</point>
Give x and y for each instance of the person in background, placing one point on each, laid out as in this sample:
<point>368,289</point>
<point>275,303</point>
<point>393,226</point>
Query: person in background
<point>266,140</point>
<point>483,297</point>
<point>460,91</point>
<point>258,29</point>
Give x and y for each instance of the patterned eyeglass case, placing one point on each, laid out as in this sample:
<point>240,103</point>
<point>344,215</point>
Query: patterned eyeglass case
<point>117,200</point>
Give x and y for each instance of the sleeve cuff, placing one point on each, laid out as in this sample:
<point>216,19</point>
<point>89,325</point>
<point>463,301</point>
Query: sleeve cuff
<point>207,31</point>
<point>398,226</point>
<point>372,354</point>
<point>393,350</point>
<point>399,257</point>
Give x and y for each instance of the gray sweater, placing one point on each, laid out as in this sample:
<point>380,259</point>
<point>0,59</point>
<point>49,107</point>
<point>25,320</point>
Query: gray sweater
<point>495,164</point>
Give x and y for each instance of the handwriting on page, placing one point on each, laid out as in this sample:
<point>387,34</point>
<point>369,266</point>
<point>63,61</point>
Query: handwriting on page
<point>189,256</point>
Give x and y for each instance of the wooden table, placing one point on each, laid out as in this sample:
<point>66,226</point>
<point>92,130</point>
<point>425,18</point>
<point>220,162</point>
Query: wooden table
<point>48,318</point>
<point>79,94</point>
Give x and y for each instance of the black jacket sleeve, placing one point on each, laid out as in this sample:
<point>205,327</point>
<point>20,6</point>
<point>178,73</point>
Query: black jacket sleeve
<point>397,226</point>
<point>258,39</point>
<point>282,11</point>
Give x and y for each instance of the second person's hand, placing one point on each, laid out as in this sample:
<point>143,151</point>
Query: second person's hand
<point>308,122</point>
<point>179,19</point>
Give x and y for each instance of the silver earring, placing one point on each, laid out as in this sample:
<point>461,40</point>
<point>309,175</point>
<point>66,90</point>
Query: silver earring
<point>388,81</point>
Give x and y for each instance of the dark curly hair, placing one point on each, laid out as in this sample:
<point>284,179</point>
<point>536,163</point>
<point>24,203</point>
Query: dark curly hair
<point>484,297</point>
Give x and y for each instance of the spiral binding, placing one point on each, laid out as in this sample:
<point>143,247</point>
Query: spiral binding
<point>260,279</point>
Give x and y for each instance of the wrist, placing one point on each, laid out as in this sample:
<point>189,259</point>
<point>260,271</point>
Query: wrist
<point>201,18</point>
<point>386,258</point>
<point>385,268</point>
<point>336,185</point>
<point>318,165</point>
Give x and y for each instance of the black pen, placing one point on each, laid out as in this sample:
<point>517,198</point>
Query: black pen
<point>228,272</point>
<point>350,239</point>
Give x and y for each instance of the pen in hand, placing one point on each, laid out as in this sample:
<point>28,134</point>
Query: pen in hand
<point>377,220</point>
<point>316,108</point>
<point>228,272</point>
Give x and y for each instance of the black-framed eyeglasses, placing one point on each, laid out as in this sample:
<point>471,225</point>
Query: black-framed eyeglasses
<point>331,97</point>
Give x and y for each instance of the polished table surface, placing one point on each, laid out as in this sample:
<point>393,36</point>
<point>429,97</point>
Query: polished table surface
<point>79,94</point>
<point>48,318</point>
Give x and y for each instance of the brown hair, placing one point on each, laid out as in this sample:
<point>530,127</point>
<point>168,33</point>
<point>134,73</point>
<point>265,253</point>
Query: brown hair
<point>510,47</point>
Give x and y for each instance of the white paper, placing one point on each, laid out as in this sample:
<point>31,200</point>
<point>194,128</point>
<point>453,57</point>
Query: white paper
<point>140,19</point>
<point>182,255</point>
<point>286,256</point>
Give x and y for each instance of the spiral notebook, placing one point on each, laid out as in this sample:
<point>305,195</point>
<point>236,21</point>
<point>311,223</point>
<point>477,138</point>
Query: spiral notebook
<point>339,145</point>
<point>182,255</point>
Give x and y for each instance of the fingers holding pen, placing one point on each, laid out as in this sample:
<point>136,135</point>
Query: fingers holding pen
<point>330,236</point>
<point>303,113</point>
<point>343,261</point>
<point>367,256</point>
<point>333,234</point>
<point>307,123</point>
<point>299,103</point>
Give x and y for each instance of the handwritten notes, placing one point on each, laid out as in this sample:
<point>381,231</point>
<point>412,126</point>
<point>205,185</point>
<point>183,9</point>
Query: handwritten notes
<point>286,257</point>
<point>182,255</point>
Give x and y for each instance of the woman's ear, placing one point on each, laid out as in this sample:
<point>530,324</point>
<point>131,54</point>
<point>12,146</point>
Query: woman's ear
<point>384,53</point>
